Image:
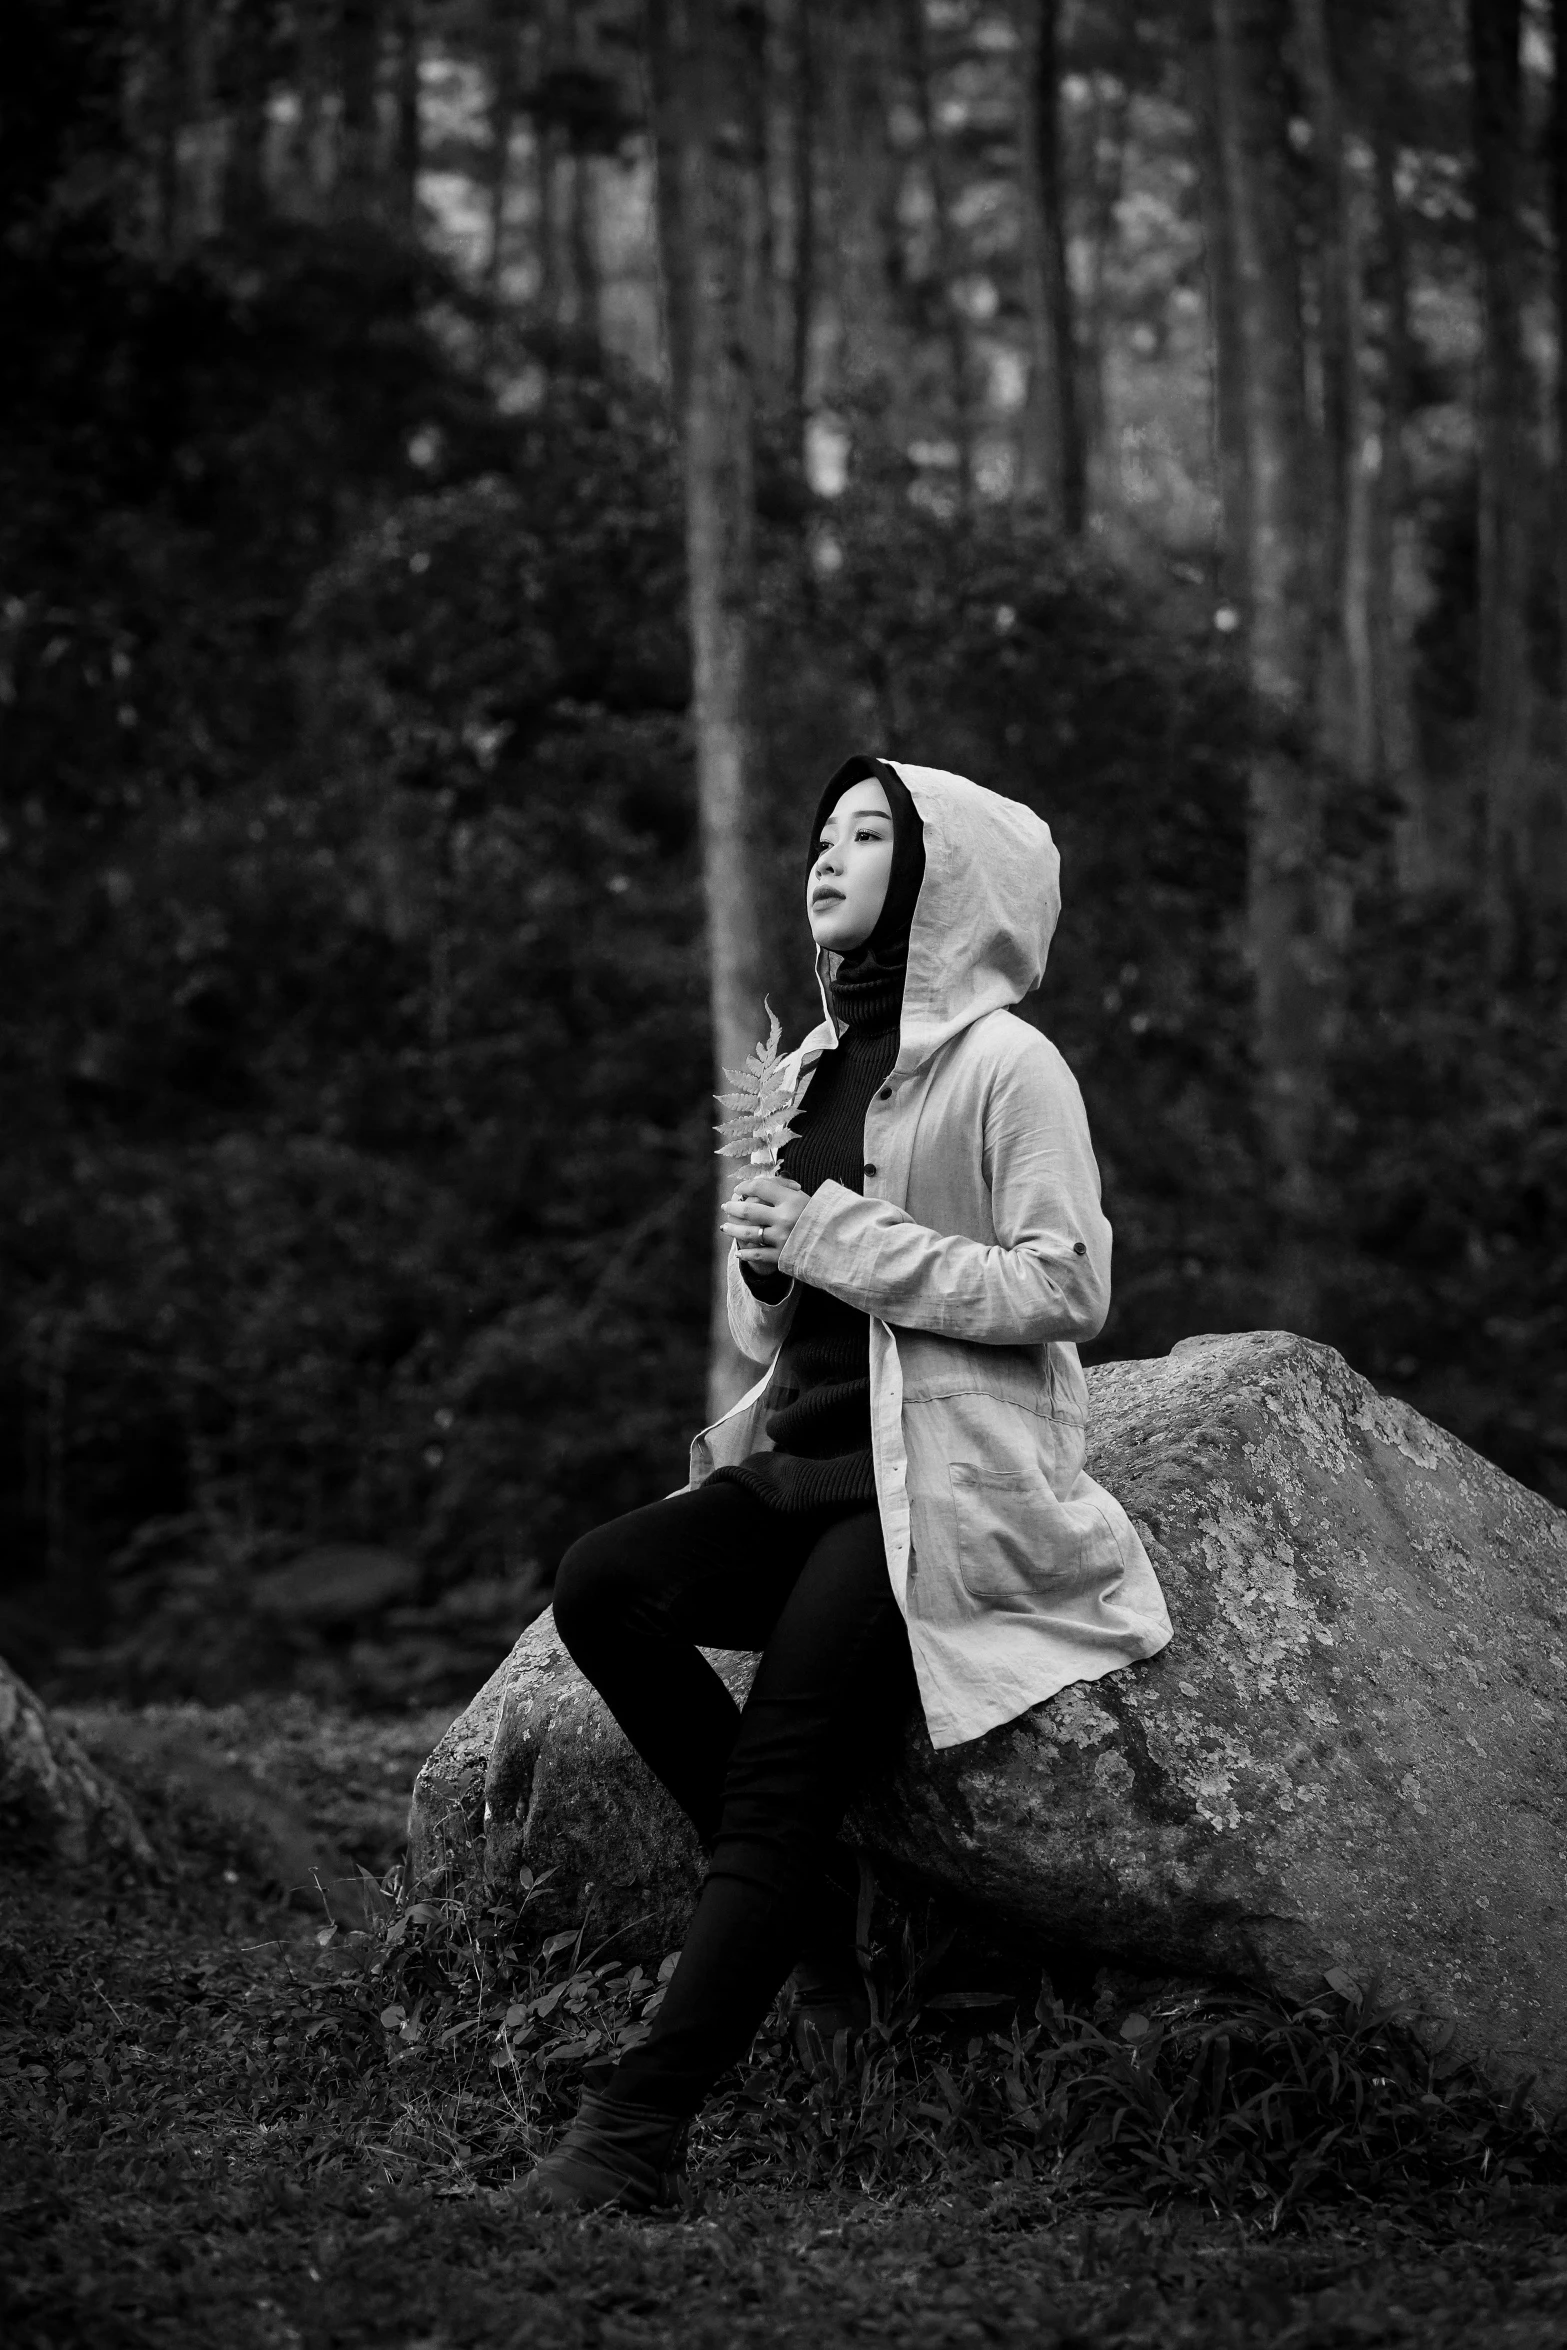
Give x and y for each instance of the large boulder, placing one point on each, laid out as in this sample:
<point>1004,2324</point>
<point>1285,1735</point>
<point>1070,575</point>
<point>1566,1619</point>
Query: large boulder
<point>1349,1762</point>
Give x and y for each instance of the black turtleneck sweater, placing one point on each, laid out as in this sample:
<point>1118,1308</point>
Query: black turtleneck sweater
<point>819,1404</point>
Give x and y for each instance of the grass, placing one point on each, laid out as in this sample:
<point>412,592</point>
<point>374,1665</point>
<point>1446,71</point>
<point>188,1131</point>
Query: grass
<point>230,2122</point>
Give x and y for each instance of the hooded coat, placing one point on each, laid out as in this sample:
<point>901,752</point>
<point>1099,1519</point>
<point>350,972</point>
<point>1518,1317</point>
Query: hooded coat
<point>981,1256</point>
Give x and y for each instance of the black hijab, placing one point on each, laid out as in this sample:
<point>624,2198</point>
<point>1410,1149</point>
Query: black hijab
<point>866,988</point>
<point>887,948</point>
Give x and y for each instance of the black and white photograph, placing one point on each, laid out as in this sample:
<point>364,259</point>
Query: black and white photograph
<point>783,1174</point>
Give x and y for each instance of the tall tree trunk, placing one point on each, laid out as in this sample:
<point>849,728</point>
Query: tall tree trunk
<point>1054,459</point>
<point>701,53</point>
<point>172,86</point>
<point>139,79</point>
<point>1349,719</point>
<point>869,367</point>
<point>954,324</point>
<point>497,162</point>
<point>547,166</point>
<point>201,206</point>
<point>408,134</point>
<point>1397,740</point>
<point>1111,120</point>
<point>586,272</point>
<point>667,99</point>
<point>1231,468</point>
<point>359,78</point>
<point>310,79</point>
<point>1284,910</point>
<point>1559,222</point>
<point>806,99</point>
<point>575,270</point>
<point>248,76</point>
<point>763,143</point>
<point>1504,681</point>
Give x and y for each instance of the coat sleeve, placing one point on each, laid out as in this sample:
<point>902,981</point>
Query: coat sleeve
<point>757,1327</point>
<point>1047,1274</point>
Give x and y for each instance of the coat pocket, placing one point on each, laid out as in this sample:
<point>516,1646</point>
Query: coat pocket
<point>1014,1541</point>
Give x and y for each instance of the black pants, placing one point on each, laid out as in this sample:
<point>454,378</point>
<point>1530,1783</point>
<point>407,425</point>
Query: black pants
<point>767,1787</point>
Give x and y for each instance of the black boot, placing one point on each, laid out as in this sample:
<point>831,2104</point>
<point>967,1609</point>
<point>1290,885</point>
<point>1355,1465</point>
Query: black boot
<point>614,2157</point>
<point>827,1996</point>
<point>828,1992</point>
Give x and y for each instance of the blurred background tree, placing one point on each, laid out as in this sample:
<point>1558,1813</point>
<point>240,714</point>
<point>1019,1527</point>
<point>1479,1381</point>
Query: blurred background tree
<point>471,468</point>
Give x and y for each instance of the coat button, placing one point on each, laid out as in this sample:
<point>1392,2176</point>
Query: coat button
<point>885,1094</point>
<point>1079,1248</point>
<point>869,1167</point>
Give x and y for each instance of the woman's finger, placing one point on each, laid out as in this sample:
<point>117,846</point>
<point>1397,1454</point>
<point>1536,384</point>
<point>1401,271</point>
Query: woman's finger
<point>741,1203</point>
<point>756,1184</point>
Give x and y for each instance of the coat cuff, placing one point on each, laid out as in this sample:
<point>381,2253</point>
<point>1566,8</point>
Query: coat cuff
<point>757,1325</point>
<point>811,1239</point>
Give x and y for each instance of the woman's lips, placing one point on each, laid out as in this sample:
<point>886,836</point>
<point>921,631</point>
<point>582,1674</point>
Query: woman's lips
<point>826,897</point>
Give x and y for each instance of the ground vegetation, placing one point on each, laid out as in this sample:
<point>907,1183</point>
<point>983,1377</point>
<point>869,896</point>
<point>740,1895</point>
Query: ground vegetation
<point>235,2120</point>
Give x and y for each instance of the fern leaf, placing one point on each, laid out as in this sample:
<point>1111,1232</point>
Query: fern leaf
<point>761,1102</point>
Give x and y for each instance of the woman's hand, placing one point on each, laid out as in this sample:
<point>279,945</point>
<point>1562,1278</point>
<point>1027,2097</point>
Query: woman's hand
<point>764,1210</point>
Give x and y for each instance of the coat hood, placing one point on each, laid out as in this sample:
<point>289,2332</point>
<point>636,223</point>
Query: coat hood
<point>987,909</point>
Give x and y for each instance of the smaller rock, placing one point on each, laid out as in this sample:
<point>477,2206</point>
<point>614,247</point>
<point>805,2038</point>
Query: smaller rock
<point>335,1586</point>
<point>52,1797</point>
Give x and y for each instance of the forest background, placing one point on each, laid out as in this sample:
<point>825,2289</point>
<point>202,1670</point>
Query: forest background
<point>470,468</point>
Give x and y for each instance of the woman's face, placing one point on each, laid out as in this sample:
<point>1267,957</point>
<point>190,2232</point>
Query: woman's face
<point>847,887</point>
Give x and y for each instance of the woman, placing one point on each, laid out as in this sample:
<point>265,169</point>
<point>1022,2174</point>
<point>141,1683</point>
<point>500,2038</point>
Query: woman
<point>899,1505</point>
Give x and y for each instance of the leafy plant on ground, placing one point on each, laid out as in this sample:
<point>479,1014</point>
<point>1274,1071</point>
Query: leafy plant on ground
<point>1225,2096</point>
<point>225,2121</point>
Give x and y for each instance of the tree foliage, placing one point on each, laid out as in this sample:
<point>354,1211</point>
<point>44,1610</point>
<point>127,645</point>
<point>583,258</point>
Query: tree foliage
<point>354,1057</point>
